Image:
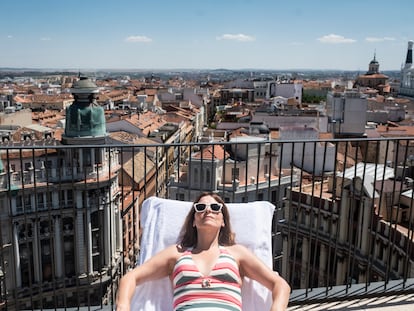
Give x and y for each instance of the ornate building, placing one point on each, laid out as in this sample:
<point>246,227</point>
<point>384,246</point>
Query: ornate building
<point>61,226</point>
<point>373,79</point>
<point>407,74</point>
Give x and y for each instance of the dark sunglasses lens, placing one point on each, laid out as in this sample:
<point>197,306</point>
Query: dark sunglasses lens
<point>215,207</point>
<point>200,207</point>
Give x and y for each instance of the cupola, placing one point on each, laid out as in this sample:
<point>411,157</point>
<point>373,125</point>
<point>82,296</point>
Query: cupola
<point>84,118</point>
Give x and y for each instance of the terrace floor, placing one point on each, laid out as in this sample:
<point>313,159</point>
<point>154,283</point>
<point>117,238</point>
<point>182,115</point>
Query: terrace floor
<point>386,303</point>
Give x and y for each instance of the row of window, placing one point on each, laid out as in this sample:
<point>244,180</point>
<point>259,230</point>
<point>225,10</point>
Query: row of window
<point>42,200</point>
<point>47,256</point>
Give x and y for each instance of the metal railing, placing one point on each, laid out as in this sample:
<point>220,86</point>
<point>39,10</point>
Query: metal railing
<point>343,223</point>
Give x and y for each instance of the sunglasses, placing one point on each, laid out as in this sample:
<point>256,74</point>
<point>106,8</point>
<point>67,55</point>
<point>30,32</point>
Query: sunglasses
<point>214,207</point>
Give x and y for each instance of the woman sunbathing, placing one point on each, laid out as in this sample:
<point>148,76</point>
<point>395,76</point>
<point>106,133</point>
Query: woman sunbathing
<point>207,267</point>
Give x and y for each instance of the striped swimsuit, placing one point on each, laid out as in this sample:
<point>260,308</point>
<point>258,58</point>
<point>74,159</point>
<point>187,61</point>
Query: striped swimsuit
<point>220,290</point>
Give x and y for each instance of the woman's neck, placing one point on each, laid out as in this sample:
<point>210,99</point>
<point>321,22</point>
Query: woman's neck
<point>204,244</point>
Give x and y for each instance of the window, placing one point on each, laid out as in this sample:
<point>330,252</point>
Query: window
<point>67,223</point>
<point>70,196</point>
<point>40,201</point>
<point>45,228</point>
<point>19,202</point>
<point>208,176</point>
<point>87,157</point>
<point>98,156</point>
<point>62,201</point>
<point>274,197</point>
<point>49,200</point>
<point>69,255</point>
<point>266,170</point>
<point>28,166</point>
<point>97,240</point>
<point>195,179</point>
<point>27,202</point>
<point>26,264</point>
<point>25,231</point>
<point>46,260</point>
<point>235,174</point>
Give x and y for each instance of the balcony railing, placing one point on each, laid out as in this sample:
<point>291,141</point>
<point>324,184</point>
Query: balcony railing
<point>343,223</point>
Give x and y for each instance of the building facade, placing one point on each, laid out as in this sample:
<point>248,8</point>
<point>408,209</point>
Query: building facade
<point>63,218</point>
<point>347,112</point>
<point>337,224</point>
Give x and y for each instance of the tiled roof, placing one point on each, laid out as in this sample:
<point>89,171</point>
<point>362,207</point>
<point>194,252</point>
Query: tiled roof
<point>124,137</point>
<point>42,98</point>
<point>138,167</point>
<point>213,152</point>
<point>147,122</point>
<point>373,76</point>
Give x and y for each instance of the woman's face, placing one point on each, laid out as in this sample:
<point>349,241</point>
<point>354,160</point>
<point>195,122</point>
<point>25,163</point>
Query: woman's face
<point>208,217</point>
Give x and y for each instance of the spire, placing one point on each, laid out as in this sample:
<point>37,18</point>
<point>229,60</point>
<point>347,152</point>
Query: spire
<point>409,59</point>
<point>373,67</point>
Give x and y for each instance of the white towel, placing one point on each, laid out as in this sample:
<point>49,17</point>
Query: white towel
<point>161,221</point>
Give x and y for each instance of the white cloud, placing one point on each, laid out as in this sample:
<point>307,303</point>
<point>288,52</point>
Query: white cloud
<point>236,37</point>
<point>375,39</point>
<point>9,36</point>
<point>45,39</point>
<point>332,38</point>
<point>138,39</point>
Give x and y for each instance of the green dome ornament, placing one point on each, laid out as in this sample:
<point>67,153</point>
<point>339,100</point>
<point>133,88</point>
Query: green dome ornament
<point>85,118</point>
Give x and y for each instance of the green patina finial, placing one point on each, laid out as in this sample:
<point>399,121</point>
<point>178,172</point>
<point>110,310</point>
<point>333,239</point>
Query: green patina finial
<point>85,117</point>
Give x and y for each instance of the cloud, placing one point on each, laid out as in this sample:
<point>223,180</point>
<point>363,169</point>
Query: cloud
<point>374,39</point>
<point>236,37</point>
<point>45,39</point>
<point>9,36</point>
<point>138,39</point>
<point>335,39</point>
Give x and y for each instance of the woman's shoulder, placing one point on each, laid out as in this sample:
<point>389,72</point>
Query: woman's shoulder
<point>237,250</point>
<point>177,249</point>
<point>170,254</point>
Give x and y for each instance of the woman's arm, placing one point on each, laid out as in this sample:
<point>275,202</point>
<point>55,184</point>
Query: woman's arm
<point>252,267</point>
<point>159,266</point>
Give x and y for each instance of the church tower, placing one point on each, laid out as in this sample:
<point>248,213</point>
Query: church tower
<point>407,73</point>
<point>373,67</point>
<point>373,78</point>
<point>409,58</point>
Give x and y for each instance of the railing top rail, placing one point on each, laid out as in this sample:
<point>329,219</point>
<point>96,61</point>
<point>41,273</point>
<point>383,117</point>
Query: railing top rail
<point>209,143</point>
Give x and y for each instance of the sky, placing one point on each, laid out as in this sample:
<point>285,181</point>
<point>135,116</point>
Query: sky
<point>209,34</point>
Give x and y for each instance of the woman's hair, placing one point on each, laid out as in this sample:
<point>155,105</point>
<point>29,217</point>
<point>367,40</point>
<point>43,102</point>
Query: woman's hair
<point>188,235</point>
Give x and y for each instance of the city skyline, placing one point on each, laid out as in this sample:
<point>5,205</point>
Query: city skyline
<point>205,35</point>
